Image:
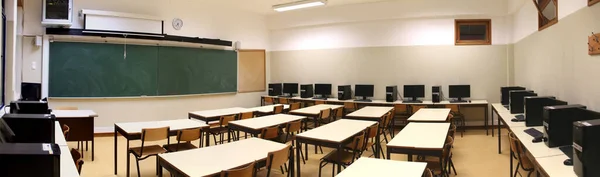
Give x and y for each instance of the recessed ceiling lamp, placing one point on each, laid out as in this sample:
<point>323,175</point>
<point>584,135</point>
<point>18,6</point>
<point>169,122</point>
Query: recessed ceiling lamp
<point>298,5</point>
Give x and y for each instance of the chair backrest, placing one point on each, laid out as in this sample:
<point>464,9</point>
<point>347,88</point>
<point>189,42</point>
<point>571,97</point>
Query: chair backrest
<point>401,108</point>
<point>295,106</point>
<point>325,113</point>
<point>452,130</point>
<point>278,109</point>
<point>428,173</point>
<point>447,147</point>
<point>77,159</point>
<point>66,130</point>
<point>519,152</point>
<point>284,101</point>
<point>372,131</point>
<point>224,120</point>
<point>293,127</point>
<point>269,133</point>
<point>243,171</point>
<point>350,105</point>
<point>246,115</point>
<point>339,112</point>
<point>358,144</point>
<point>67,108</point>
<point>155,134</point>
<point>416,108</point>
<point>386,120</point>
<point>269,100</point>
<point>453,108</point>
<point>319,102</point>
<point>279,157</point>
<point>189,134</point>
<point>392,114</point>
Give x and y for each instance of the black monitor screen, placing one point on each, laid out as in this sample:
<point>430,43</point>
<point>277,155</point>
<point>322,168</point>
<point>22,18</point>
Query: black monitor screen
<point>517,101</point>
<point>459,91</point>
<point>275,89</point>
<point>290,88</point>
<point>31,91</point>
<point>363,90</point>
<point>323,89</point>
<point>414,91</point>
<point>505,93</point>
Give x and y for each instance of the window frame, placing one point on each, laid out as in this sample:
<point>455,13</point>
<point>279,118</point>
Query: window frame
<point>486,22</point>
<point>3,55</point>
<point>540,15</point>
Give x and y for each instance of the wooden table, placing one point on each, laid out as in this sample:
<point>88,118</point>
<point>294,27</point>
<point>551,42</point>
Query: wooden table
<point>215,114</point>
<point>427,139</point>
<point>430,115</point>
<point>210,161</point>
<point>268,109</point>
<point>383,168</point>
<point>67,166</point>
<point>81,124</point>
<point>133,131</point>
<point>334,135</point>
<point>372,113</point>
<point>254,126</point>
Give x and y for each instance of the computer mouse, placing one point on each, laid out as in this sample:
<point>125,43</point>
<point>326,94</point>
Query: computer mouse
<point>568,162</point>
<point>537,139</point>
<point>514,120</point>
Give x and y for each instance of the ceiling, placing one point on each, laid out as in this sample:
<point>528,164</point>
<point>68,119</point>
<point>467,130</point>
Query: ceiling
<point>265,6</point>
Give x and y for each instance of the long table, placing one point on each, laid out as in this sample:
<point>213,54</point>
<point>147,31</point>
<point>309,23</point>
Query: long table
<point>254,126</point>
<point>81,124</point>
<point>547,161</point>
<point>383,168</point>
<point>371,113</point>
<point>215,114</point>
<point>210,161</point>
<point>472,103</point>
<point>133,131</point>
<point>420,139</point>
<point>430,115</point>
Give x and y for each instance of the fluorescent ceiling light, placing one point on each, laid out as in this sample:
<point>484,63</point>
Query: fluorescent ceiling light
<point>299,5</point>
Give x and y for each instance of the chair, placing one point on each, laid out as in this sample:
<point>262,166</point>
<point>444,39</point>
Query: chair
<point>324,116</point>
<point>66,130</point>
<point>222,128</point>
<point>349,107</point>
<point>519,153</point>
<point>390,123</point>
<point>344,157</point>
<point>435,164</point>
<point>184,138</point>
<point>271,133</point>
<point>452,133</point>
<point>284,100</point>
<point>145,151</point>
<point>339,113</point>
<point>243,171</point>
<point>246,115</point>
<point>401,113</point>
<point>289,136</point>
<point>457,117</point>
<point>415,108</point>
<point>427,173</point>
<point>295,106</point>
<point>370,140</point>
<point>268,101</point>
<point>278,158</point>
<point>319,102</point>
<point>67,108</point>
<point>383,126</point>
<point>278,109</point>
<point>77,158</point>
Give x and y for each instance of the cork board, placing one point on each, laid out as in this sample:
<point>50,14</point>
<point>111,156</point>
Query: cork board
<point>252,71</point>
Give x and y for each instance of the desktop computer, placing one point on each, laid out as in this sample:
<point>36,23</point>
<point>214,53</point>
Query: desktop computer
<point>436,94</point>
<point>534,108</point>
<point>322,91</point>
<point>29,107</point>
<point>363,91</point>
<point>306,91</point>
<point>275,89</point>
<point>30,159</point>
<point>517,97</point>
<point>31,91</point>
<point>459,92</point>
<point>290,89</point>
<point>505,93</point>
<point>585,137</point>
<point>558,123</point>
<point>414,92</point>
<point>391,93</point>
<point>31,128</point>
<point>344,92</point>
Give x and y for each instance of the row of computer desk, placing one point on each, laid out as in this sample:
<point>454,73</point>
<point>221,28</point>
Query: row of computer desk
<point>548,161</point>
<point>67,165</point>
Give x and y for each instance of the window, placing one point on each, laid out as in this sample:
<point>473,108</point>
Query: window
<point>473,32</point>
<point>592,2</point>
<point>547,13</point>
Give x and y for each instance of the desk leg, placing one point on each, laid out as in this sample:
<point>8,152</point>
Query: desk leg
<point>339,158</point>
<point>93,149</point>
<point>115,149</point>
<point>291,163</point>
<point>229,134</point>
<point>410,157</point>
<point>486,119</point>
<point>499,139</point>
<point>511,162</point>
<point>377,144</point>
<point>127,150</point>
<point>493,123</point>
<point>207,139</point>
<point>298,149</point>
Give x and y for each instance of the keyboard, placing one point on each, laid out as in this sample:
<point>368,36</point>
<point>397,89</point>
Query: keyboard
<point>519,118</point>
<point>319,98</point>
<point>458,101</point>
<point>567,150</point>
<point>411,101</point>
<point>366,100</point>
<point>534,133</point>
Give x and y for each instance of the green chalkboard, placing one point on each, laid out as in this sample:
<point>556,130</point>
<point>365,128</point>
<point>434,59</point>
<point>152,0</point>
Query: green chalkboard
<point>118,70</point>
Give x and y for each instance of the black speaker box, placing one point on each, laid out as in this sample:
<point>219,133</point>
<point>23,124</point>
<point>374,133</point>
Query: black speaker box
<point>436,94</point>
<point>558,123</point>
<point>306,91</point>
<point>585,137</point>
<point>30,159</point>
<point>344,92</point>
<point>391,93</point>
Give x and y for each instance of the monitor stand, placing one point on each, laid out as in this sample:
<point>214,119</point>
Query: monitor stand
<point>286,95</point>
<point>459,100</point>
<point>364,99</point>
<point>414,100</point>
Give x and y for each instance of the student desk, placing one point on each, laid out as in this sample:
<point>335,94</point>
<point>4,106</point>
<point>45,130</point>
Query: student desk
<point>426,139</point>
<point>313,111</point>
<point>81,125</point>
<point>268,109</point>
<point>333,135</point>
<point>430,115</point>
<point>215,114</point>
<point>59,137</point>
<point>254,126</point>
<point>383,168</point>
<point>210,161</point>
<point>133,131</point>
<point>67,165</point>
<point>483,104</point>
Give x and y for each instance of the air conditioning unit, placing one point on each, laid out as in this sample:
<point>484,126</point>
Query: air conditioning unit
<point>57,13</point>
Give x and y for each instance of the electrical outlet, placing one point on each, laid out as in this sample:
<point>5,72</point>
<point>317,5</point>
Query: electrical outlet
<point>34,65</point>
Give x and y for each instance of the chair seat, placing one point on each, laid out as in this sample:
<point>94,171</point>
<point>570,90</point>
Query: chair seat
<point>283,139</point>
<point>217,130</point>
<point>148,150</point>
<point>345,157</point>
<point>213,123</point>
<point>179,147</point>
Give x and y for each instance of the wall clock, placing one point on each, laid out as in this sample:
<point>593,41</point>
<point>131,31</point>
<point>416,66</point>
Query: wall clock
<point>177,23</point>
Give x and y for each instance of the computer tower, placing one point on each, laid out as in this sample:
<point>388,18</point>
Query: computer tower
<point>29,107</point>
<point>534,108</point>
<point>391,93</point>
<point>31,128</point>
<point>558,123</point>
<point>275,89</point>
<point>436,94</point>
<point>517,98</point>
<point>306,91</point>
<point>344,92</point>
<point>505,93</point>
<point>30,159</point>
<point>586,148</point>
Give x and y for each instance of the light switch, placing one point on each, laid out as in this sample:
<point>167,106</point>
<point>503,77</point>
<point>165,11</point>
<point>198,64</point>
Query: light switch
<point>34,65</point>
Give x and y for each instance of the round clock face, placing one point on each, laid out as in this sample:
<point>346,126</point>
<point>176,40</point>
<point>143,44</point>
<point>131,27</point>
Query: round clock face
<point>177,23</point>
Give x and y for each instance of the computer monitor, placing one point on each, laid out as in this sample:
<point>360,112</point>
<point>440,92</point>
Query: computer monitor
<point>364,91</point>
<point>290,89</point>
<point>6,134</point>
<point>459,92</point>
<point>275,89</point>
<point>504,91</point>
<point>31,91</point>
<point>414,92</point>
<point>517,99</point>
<point>324,90</point>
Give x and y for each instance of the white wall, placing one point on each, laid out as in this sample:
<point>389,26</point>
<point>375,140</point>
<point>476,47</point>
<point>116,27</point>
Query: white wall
<point>201,19</point>
<point>526,22</point>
